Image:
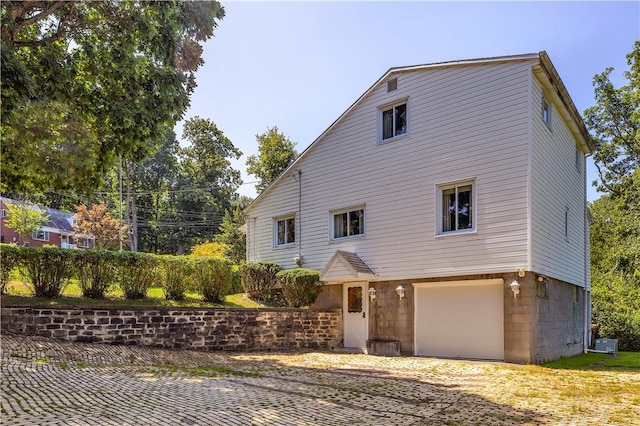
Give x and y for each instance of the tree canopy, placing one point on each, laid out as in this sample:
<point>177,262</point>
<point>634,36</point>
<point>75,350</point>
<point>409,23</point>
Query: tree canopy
<point>86,82</point>
<point>275,153</point>
<point>614,123</point>
<point>97,222</point>
<point>24,219</point>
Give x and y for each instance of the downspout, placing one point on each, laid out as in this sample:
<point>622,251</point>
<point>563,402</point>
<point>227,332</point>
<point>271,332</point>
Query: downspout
<point>299,236</point>
<point>587,294</point>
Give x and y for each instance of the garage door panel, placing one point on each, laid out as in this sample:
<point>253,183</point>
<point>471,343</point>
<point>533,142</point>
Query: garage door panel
<point>463,320</point>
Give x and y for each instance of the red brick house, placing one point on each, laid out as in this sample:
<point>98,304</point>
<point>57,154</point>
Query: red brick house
<point>56,231</point>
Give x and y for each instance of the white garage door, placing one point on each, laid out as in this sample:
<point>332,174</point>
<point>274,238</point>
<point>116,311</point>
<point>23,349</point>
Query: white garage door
<point>460,319</point>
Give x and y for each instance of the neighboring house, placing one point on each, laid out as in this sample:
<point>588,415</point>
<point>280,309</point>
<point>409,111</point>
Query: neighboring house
<point>56,231</point>
<point>446,209</point>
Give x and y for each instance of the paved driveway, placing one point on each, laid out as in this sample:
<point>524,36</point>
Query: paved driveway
<point>59,383</point>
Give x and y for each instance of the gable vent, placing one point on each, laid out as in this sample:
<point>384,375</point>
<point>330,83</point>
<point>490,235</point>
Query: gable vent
<point>392,85</point>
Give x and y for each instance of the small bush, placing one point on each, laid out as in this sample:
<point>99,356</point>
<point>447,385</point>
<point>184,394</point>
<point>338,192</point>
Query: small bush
<point>175,276</point>
<point>300,286</point>
<point>47,269</point>
<point>96,271</point>
<point>212,278</point>
<point>259,279</point>
<point>236,280</point>
<point>8,260</point>
<point>138,272</point>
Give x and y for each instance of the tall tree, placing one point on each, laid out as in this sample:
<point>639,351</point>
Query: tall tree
<point>206,184</point>
<point>152,181</point>
<point>24,218</point>
<point>615,231</point>
<point>86,82</point>
<point>275,153</point>
<point>232,236</point>
<point>614,123</point>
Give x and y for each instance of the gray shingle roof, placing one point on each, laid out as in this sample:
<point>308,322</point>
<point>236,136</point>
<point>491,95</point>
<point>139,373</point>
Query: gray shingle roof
<point>355,262</point>
<point>57,218</point>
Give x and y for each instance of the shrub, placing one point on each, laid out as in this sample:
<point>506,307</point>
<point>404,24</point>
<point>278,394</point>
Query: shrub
<point>300,286</point>
<point>47,269</point>
<point>8,260</point>
<point>212,278</point>
<point>96,271</point>
<point>138,272</point>
<point>175,276</point>
<point>236,280</point>
<point>210,249</point>
<point>259,279</point>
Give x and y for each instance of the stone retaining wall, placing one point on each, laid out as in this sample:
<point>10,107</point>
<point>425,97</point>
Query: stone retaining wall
<point>189,328</point>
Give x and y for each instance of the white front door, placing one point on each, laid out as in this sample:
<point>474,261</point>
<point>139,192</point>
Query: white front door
<point>355,314</point>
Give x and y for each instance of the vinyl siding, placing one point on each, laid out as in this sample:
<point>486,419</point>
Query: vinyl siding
<point>556,185</point>
<point>465,122</point>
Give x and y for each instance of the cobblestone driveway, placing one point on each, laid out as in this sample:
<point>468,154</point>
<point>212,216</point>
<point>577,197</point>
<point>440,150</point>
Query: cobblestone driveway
<point>59,383</point>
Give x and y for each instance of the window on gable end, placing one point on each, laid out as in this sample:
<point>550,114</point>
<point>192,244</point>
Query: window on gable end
<point>394,121</point>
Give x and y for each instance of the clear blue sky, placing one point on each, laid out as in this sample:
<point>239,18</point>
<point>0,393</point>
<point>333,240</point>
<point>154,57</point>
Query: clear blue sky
<point>299,65</point>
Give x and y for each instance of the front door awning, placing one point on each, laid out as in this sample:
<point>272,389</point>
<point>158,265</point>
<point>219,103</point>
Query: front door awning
<point>346,266</point>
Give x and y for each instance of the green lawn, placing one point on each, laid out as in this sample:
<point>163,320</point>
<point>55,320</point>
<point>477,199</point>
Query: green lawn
<point>595,361</point>
<point>18,293</point>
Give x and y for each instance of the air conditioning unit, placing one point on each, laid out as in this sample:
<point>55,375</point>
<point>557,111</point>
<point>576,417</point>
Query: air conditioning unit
<point>607,345</point>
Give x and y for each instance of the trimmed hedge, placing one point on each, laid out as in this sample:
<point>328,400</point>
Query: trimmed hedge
<point>300,286</point>
<point>96,271</point>
<point>9,258</point>
<point>138,272</point>
<point>175,273</point>
<point>47,269</point>
<point>212,278</point>
<point>259,279</point>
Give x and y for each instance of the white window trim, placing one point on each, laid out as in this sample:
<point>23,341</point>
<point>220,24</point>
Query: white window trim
<point>275,230</point>
<point>546,102</point>
<point>332,213</point>
<point>386,107</point>
<point>439,207</point>
<point>46,237</point>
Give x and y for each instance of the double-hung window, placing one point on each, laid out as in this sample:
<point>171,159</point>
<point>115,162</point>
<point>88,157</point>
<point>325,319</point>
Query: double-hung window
<point>394,120</point>
<point>347,223</point>
<point>456,207</point>
<point>285,231</point>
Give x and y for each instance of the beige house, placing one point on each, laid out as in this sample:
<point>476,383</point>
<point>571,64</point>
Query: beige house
<point>446,209</point>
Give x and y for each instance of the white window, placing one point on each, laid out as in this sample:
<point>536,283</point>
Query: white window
<point>456,207</point>
<point>285,231</point>
<point>393,120</point>
<point>3,213</point>
<point>347,223</point>
<point>41,235</point>
<point>546,112</point>
<point>84,242</point>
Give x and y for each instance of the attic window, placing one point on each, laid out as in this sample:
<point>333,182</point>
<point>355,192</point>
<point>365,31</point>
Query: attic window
<point>392,85</point>
<point>546,112</point>
<point>393,121</point>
